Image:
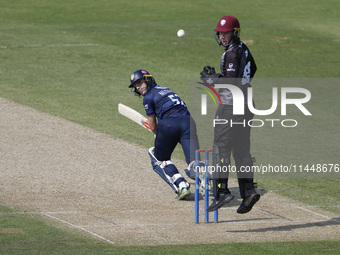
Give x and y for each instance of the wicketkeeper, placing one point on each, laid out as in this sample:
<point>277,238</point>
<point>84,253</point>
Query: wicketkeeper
<point>170,121</point>
<point>237,68</point>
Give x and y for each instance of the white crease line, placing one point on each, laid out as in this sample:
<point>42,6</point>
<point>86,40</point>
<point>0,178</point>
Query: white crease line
<point>321,215</point>
<point>88,231</point>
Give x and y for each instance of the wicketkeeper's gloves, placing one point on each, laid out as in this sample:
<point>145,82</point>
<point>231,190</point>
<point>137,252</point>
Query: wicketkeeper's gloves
<point>209,76</point>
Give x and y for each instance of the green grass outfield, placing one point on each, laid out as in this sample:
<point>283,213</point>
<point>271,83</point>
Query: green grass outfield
<point>73,59</point>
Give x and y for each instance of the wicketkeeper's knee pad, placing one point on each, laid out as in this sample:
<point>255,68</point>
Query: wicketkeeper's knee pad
<point>220,171</point>
<point>220,164</point>
<point>168,172</point>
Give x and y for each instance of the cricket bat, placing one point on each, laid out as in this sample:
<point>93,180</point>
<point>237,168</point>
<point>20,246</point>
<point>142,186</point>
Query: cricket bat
<point>133,115</point>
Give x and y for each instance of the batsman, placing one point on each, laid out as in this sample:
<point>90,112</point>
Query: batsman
<point>237,68</point>
<point>170,120</point>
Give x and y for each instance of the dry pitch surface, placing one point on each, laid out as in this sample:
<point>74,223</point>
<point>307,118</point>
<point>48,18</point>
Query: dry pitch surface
<point>91,182</point>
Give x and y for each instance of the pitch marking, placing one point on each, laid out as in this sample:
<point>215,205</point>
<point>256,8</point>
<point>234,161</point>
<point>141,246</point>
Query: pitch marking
<point>275,214</point>
<point>321,215</point>
<point>88,231</point>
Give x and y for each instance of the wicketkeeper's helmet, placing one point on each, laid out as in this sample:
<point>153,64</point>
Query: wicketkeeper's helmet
<point>227,24</point>
<point>137,76</point>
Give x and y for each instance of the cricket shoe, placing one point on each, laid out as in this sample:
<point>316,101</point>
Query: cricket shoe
<point>248,203</point>
<point>220,201</point>
<point>183,194</point>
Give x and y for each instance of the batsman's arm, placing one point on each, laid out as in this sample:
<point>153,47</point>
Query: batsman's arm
<point>152,122</point>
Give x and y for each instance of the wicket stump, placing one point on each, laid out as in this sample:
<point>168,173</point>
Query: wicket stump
<point>197,184</point>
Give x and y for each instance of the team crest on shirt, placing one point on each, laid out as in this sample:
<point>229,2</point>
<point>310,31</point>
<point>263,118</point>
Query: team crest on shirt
<point>230,67</point>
